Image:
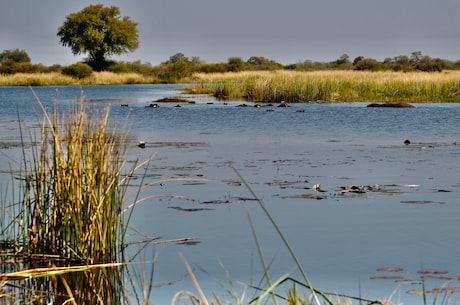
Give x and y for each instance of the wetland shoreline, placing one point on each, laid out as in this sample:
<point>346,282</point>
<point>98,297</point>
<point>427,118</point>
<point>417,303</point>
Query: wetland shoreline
<point>281,85</point>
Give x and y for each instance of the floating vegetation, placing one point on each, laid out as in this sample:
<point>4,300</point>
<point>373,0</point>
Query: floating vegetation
<point>215,201</point>
<point>348,191</point>
<point>189,209</point>
<point>245,199</point>
<point>389,189</point>
<point>305,196</point>
<point>387,277</point>
<point>285,183</point>
<point>421,202</point>
<point>438,277</point>
<point>434,291</point>
<point>390,269</point>
<point>426,274</point>
<point>432,271</point>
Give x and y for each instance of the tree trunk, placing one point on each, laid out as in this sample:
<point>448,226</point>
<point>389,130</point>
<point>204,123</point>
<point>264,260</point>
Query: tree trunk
<point>98,62</point>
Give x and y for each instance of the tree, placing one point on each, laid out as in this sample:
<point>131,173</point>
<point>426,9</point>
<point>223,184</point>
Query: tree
<point>416,57</point>
<point>342,63</point>
<point>17,56</point>
<point>369,64</point>
<point>99,31</point>
<point>178,57</point>
<point>357,60</point>
<point>262,63</point>
<point>235,64</point>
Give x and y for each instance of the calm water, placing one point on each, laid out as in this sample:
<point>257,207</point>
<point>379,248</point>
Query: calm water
<point>408,218</point>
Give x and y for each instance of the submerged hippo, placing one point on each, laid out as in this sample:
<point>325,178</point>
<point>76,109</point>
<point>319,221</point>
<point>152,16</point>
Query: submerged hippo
<point>392,105</point>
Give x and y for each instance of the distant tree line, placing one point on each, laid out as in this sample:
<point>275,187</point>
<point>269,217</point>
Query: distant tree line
<point>18,61</point>
<point>179,67</point>
<point>100,32</point>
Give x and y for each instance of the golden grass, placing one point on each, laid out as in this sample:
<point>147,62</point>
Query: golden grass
<point>58,79</point>
<point>332,86</point>
<point>343,75</point>
<point>110,78</point>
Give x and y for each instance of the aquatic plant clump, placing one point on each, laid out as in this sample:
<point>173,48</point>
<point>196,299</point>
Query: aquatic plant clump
<point>70,209</point>
<point>71,188</point>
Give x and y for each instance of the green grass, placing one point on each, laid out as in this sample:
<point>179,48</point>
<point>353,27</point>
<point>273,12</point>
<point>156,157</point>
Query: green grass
<point>331,86</point>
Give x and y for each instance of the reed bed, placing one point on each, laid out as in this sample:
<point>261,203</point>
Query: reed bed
<point>110,78</point>
<point>72,202</point>
<point>59,79</point>
<point>331,86</point>
<point>69,211</point>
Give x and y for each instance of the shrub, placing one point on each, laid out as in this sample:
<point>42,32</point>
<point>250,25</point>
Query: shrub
<point>175,72</point>
<point>128,67</point>
<point>79,70</point>
<point>430,65</point>
<point>8,67</point>
<point>27,67</point>
<point>16,55</point>
<point>212,68</point>
<point>369,64</point>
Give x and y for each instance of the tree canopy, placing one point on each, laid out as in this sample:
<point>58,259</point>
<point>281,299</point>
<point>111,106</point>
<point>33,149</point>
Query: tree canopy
<point>99,31</point>
<point>17,56</point>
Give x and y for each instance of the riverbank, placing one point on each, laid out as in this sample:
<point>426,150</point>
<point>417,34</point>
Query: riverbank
<point>331,86</point>
<point>281,85</point>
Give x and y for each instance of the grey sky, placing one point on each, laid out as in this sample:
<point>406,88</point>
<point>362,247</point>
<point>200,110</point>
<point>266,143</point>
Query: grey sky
<point>287,31</point>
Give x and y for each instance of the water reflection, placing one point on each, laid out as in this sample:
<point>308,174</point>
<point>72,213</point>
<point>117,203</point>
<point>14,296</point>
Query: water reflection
<point>44,280</point>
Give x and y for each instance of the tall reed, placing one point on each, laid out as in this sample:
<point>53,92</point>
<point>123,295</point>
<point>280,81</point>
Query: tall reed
<point>331,86</point>
<point>72,202</point>
<point>70,207</point>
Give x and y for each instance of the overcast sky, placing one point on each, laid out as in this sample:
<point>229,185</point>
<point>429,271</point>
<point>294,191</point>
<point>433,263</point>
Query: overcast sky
<point>287,31</point>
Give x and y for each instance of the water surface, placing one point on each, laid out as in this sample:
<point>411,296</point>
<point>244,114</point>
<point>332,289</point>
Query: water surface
<point>405,214</point>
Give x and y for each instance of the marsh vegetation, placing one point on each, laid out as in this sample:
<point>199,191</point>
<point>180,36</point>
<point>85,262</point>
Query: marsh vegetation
<point>330,86</point>
<point>63,223</point>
